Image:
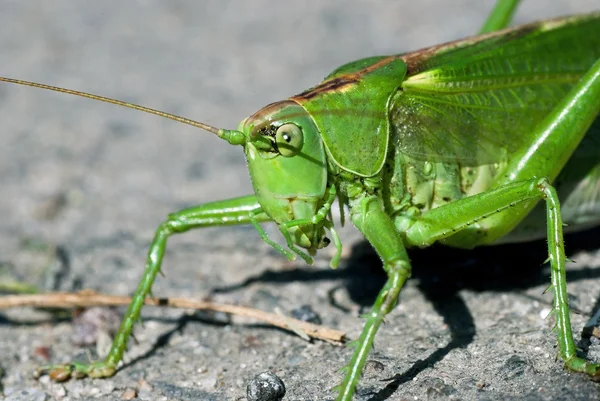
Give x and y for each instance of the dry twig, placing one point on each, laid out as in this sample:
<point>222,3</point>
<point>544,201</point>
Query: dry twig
<point>89,298</point>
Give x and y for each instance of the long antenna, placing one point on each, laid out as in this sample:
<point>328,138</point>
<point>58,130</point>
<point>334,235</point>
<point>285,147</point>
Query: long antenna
<point>232,136</point>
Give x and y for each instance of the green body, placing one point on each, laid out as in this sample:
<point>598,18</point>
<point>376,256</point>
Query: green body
<point>448,123</point>
<point>457,143</point>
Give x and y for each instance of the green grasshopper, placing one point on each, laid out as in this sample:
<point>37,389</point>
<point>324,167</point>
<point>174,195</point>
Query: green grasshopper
<point>455,144</point>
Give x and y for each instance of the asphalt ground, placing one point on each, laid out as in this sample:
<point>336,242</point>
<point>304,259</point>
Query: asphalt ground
<point>84,185</point>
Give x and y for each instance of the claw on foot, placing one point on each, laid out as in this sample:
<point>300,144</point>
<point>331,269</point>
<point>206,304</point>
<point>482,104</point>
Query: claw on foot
<point>581,365</point>
<point>61,373</point>
<point>58,373</point>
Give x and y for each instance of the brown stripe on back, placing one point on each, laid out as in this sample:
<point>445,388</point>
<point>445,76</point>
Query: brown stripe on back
<point>326,86</point>
<point>414,60</point>
<point>341,82</point>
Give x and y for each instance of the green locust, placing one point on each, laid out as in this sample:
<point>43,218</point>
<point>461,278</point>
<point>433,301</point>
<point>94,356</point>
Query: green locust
<point>456,143</point>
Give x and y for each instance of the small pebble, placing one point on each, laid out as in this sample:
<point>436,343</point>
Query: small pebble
<point>58,391</point>
<point>265,387</point>
<point>128,394</point>
<point>306,314</point>
<point>42,352</point>
<point>373,368</point>
<point>438,390</point>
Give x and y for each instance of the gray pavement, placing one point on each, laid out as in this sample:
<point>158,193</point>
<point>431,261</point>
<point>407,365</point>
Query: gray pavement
<point>83,186</point>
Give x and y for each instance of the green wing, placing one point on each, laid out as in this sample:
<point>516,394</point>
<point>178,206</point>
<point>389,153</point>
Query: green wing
<point>475,101</point>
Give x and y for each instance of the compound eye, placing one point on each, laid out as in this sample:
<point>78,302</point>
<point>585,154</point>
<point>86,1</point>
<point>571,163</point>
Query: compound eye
<point>289,139</point>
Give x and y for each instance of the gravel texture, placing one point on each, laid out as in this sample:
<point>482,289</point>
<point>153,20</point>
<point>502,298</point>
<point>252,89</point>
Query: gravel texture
<point>85,184</point>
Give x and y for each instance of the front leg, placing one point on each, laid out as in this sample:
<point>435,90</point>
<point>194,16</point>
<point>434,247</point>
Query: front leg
<point>368,215</point>
<point>244,210</point>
